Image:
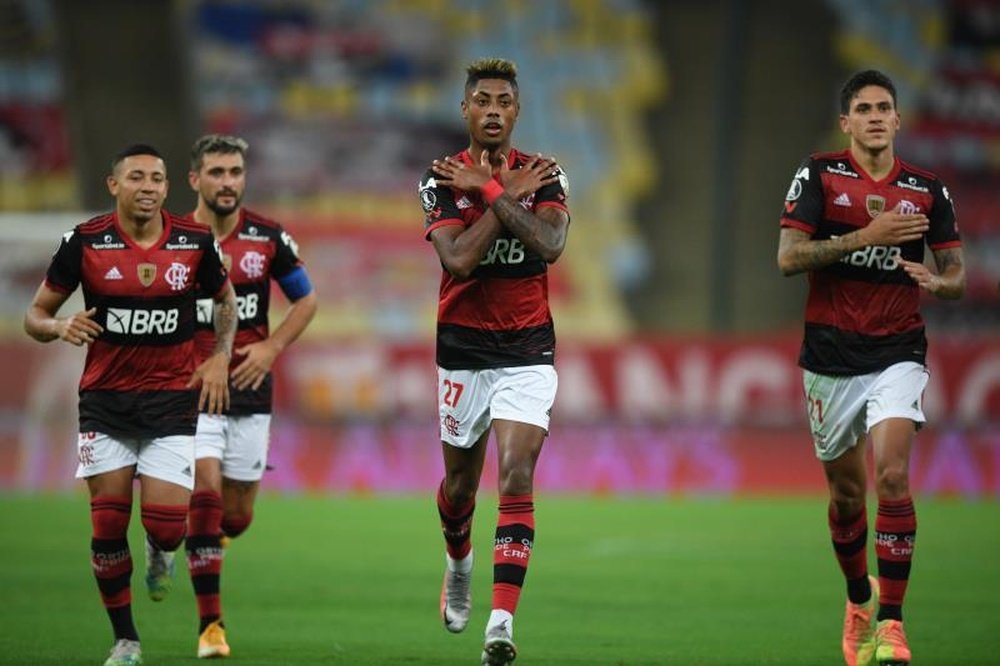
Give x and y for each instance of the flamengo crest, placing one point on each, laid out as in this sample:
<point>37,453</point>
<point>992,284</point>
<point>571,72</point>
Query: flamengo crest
<point>176,275</point>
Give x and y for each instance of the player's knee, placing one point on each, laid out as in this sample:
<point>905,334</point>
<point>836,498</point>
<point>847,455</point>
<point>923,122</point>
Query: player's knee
<point>109,517</point>
<point>893,483</point>
<point>516,481</point>
<point>236,524</point>
<point>165,525</point>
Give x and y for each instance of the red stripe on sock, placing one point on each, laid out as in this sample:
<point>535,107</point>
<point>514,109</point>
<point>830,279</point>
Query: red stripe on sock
<point>895,537</point>
<point>456,524</point>
<point>845,532</point>
<point>517,517</point>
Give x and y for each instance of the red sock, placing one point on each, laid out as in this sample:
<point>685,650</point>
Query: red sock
<point>165,524</point>
<point>895,535</point>
<point>515,536</point>
<point>456,524</point>
<point>111,560</point>
<point>204,553</point>
<point>850,538</point>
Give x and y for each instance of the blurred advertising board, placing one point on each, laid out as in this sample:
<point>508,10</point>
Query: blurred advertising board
<point>665,416</point>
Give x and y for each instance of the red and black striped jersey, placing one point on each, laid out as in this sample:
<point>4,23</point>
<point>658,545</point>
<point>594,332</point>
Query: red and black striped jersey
<point>862,313</point>
<point>135,376</point>
<point>255,252</point>
<point>500,316</point>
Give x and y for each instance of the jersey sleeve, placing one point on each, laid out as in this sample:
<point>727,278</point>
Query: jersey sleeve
<point>803,208</point>
<point>554,194</point>
<point>438,202</point>
<point>64,270</point>
<point>212,275</point>
<point>943,231</point>
<point>286,255</point>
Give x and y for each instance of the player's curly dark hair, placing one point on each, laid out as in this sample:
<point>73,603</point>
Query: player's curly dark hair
<point>491,68</point>
<point>868,77</point>
<point>216,143</point>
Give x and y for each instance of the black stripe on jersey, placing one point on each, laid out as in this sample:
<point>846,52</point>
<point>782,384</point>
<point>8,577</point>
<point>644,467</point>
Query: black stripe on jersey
<point>528,268</point>
<point>158,321</point>
<point>247,401</point>
<point>465,348</point>
<point>139,413</point>
<point>871,263</point>
<point>830,351</point>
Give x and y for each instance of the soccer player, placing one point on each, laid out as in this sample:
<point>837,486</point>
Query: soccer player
<point>231,449</point>
<point>138,267</point>
<point>857,221</point>
<point>496,217</point>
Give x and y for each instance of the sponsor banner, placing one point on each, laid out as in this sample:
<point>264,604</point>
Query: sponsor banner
<point>726,381</point>
<point>405,457</point>
<point>721,415</point>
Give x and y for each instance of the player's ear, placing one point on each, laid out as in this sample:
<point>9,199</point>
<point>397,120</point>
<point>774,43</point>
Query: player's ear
<point>112,186</point>
<point>193,180</point>
<point>845,124</point>
<point>465,109</point>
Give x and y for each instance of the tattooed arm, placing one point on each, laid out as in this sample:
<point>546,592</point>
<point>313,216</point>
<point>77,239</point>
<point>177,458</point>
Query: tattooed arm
<point>543,232</point>
<point>797,253</point>
<point>950,279</point>
<point>224,320</point>
<point>213,373</point>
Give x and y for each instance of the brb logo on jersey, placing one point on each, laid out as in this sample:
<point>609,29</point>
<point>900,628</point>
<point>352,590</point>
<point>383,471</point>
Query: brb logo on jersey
<point>252,264</point>
<point>176,276</point>
<point>127,321</point>
<point>504,251</point>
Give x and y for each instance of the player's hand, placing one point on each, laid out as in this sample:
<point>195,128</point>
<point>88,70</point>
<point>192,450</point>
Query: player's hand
<point>536,174</point>
<point>213,376</point>
<point>452,172</point>
<point>252,371</point>
<point>922,275</point>
<point>79,329</point>
<point>893,227</point>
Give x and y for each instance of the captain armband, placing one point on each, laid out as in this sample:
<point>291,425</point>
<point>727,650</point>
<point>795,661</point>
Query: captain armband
<point>296,284</point>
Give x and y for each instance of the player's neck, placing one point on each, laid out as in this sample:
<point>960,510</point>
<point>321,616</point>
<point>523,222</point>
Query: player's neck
<point>221,225</point>
<point>876,163</point>
<point>146,233</point>
<point>476,151</point>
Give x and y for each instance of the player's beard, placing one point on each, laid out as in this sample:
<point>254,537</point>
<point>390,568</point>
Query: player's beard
<point>220,210</point>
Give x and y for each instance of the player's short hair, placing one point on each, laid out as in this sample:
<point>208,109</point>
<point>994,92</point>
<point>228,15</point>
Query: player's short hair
<point>134,149</point>
<point>868,77</point>
<point>491,68</point>
<point>216,143</point>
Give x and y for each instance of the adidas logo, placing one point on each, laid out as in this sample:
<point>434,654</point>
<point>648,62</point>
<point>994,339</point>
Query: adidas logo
<point>186,471</point>
<point>463,203</point>
<point>842,200</point>
<point>257,465</point>
<point>114,274</point>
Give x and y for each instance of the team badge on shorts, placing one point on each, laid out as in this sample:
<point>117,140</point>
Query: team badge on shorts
<point>147,273</point>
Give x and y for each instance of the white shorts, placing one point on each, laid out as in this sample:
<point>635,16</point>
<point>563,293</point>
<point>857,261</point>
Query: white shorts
<point>469,400</point>
<point>167,458</point>
<point>842,409</point>
<point>240,442</point>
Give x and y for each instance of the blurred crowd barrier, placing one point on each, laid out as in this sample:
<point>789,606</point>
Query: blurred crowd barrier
<point>715,415</point>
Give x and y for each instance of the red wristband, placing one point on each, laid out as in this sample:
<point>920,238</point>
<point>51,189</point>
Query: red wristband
<point>491,191</point>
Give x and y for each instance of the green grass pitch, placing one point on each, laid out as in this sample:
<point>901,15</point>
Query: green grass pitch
<point>349,580</point>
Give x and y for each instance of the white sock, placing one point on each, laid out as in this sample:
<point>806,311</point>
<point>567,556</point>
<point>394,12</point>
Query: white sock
<point>463,565</point>
<point>499,616</point>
